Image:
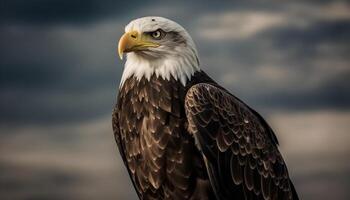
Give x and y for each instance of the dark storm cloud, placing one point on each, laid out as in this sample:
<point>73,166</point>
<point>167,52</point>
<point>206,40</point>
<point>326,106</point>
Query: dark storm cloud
<point>305,41</point>
<point>331,95</point>
<point>53,12</point>
<point>57,75</point>
<point>67,74</point>
<point>62,11</point>
<point>31,106</point>
<point>26,75</point>
<point>301,45</point>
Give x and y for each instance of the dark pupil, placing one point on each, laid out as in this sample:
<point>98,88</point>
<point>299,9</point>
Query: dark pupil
<point>156,34</point>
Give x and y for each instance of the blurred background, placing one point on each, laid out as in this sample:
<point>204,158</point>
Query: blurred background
<point>59,75</point>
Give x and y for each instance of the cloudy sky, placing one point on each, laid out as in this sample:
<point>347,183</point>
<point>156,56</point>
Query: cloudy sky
<point>59,74</point>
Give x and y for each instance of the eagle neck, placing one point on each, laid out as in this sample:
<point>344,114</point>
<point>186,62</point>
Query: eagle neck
<point>180,68</point>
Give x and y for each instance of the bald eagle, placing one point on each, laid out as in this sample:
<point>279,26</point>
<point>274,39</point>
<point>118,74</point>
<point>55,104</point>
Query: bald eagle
<point>183,136</point>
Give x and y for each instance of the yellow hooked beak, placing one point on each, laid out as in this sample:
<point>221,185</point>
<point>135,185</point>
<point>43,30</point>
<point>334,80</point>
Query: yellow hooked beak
<point>133,41</point>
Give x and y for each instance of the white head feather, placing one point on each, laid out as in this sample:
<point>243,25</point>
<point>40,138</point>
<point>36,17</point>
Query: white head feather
<point>177,60</point>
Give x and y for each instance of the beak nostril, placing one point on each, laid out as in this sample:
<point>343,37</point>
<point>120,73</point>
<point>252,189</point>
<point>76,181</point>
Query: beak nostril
<point>133,36</point>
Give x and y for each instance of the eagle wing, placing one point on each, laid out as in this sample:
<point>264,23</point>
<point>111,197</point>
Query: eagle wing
<point>116,131</point>
<point>238,147</point>
<point>117,136</point>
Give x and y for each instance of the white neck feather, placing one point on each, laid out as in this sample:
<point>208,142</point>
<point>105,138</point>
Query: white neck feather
<point>179,66</point>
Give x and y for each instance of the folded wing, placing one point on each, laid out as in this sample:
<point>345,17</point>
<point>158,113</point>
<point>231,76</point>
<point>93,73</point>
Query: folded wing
<point>239,148</point>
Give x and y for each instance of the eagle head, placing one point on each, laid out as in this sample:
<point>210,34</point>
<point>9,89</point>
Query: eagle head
<point>158,46</point>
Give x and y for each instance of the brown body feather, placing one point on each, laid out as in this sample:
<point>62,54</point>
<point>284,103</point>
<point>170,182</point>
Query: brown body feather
<point>196,142</point>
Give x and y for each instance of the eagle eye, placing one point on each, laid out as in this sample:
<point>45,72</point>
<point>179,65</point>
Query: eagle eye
<point>158,34</point>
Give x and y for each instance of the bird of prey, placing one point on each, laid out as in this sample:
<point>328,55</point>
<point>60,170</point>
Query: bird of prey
<point>183,136</point>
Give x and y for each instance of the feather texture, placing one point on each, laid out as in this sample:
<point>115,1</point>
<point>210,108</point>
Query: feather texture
<point>160,155</point>
<point>196,142</point>
<point>256,166</point>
